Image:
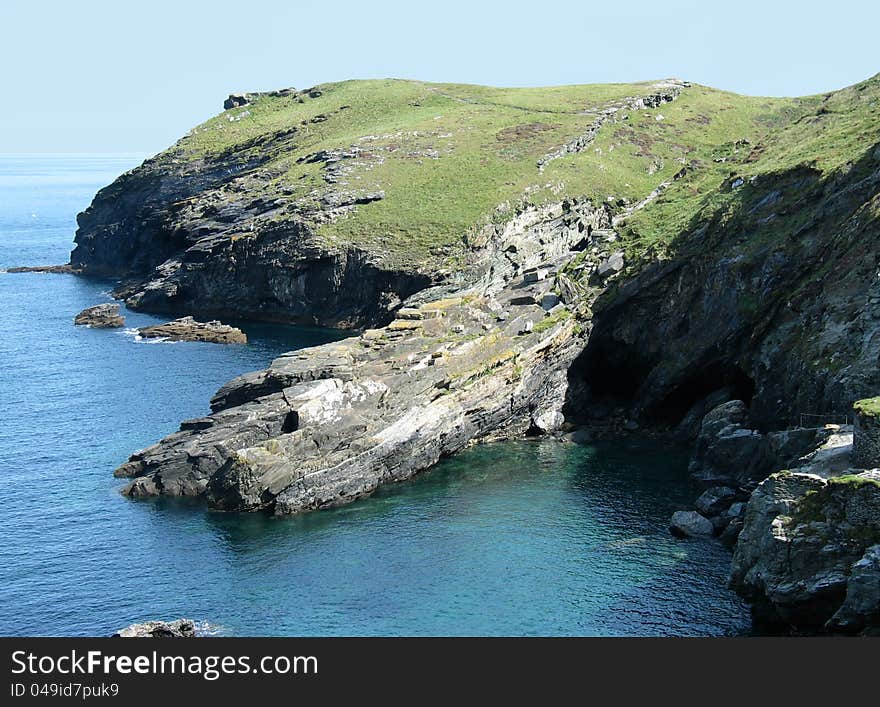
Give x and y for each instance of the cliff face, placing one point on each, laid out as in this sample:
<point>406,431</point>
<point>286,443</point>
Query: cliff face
<point>200,236</point>
<point>776,300</point>
<point>766,285</point>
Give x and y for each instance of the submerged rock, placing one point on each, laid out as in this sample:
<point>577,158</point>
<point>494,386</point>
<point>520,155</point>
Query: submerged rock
<point>101,316</point>
<point>188,329</point>
<point>180,628</point>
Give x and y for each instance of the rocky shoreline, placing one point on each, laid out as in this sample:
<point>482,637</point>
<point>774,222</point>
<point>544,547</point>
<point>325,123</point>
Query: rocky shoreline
<point>324,426</point>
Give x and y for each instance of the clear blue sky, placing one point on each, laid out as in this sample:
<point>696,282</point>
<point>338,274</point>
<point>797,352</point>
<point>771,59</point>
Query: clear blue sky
<point>99,76</point>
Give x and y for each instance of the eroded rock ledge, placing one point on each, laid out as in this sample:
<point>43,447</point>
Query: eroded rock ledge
<point>323,426</point>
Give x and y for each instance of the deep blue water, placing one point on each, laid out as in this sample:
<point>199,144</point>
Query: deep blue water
<point>526,538</point>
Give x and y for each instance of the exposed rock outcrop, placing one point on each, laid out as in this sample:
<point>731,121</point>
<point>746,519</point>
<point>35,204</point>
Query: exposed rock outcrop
<point>789,325</point>
<point>807,555</point>
<point>188,329</point>
<point>179,628</point>
<point>101,316</point>
<point>326,425</point>
<point>805,539</point>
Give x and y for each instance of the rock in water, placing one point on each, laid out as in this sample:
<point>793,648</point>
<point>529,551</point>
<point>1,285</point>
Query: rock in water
<point>101,316</point>
<point>64,269</point>
<point>180,628</point>
<point>688,524</point>
<point>188,329</point>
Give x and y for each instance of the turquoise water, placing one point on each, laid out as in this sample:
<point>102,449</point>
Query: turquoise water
<point>530,538</point>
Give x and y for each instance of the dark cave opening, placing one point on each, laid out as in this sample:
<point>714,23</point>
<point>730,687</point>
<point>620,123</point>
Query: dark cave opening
<point>610,374</point>
<point>698,386</point>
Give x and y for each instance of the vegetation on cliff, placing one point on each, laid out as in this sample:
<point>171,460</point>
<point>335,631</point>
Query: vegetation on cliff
<point>448,158</point>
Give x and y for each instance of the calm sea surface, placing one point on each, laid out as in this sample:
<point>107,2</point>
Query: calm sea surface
<point>518,538</point>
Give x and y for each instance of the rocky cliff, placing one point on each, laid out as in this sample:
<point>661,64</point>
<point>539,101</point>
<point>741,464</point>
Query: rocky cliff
<point>528,258</point>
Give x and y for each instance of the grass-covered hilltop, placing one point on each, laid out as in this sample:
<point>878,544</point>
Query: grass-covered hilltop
<point>403,177</point>
<point>529,261</point>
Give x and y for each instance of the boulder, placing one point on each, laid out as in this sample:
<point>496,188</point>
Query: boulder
<point>548,420</point>
<point>101,316</point>
<point>686,524</point>
<point>727,452</point>
<point>180,628</point>
<point>715,500</point>
<point>188,329</point>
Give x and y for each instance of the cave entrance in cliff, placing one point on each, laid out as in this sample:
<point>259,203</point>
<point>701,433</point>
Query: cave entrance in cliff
<point>717,377</point>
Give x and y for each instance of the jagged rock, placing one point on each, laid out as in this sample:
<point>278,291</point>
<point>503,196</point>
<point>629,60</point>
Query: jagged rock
<point>688,524</point>
<point>188,329</point>
<point>726,452</point>
<point>861,608</point>
<point>101,316</point>
<point>691,424</point>
<point>715,500</point>
<point>180,628</point>
<point>801,539</point>
<point>612,264</point>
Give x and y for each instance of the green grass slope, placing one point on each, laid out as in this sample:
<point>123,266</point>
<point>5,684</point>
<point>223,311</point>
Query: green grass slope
<point>450,158</point>
<point>819,135</point>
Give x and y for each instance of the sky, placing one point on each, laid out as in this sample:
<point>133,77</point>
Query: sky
<point>99,76</point>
